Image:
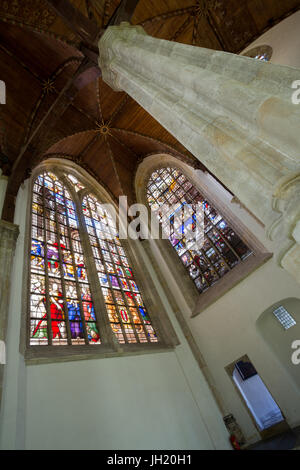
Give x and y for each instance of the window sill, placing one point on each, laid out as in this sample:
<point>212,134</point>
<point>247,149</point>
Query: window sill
<point>54,354</point>
<point>230,280</point>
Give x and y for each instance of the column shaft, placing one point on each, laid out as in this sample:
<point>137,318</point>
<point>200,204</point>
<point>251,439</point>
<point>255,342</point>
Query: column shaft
<point>234,113</point>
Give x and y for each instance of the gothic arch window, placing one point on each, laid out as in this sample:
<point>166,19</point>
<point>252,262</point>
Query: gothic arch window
<point>231,252</point>
<point>223,249</point>
<point>83,289</point>
<point>263,53</point>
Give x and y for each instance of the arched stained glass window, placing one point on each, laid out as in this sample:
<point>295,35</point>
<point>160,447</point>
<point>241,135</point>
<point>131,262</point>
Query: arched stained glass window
<point>67,225</point>
<point>263,53</point>
<point>61,306</point>
<point>222,249</point>
<point>128,317</point>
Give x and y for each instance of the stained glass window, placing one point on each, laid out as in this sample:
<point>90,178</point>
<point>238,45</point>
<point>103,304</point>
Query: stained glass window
<point>263,57</point>
<point>219,250</point>
<point>263,53</point>
<point>127,314</point>
<point>63,309</point>
<point>61,306</point>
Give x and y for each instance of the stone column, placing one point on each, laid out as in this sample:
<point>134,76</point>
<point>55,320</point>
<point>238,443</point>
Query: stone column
<point>234,113</point>
<point>8,237</point>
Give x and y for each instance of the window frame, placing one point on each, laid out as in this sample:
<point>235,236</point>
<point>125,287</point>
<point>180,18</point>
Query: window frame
<point>196,301</point>
<point>109,347</point>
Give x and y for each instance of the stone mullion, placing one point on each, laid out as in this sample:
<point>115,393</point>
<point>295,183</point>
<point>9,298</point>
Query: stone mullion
<point>206,234</point>
<point>139,315</point>
<point>166,201</point>
<point>47,295</point>
<point>180,187</point>
<point>127,304</point>
<point>135,303</point>
<point>215,248</point>
<point>108,278</point>
<point>210,264</point>
<point>172,191</point>
<point>223,238</point>
<point>202,252</point>
<point>103,323</point>
<point>138,312</point>
<point>62,274</point>
<point>211,243</point>
<point>76,275</point>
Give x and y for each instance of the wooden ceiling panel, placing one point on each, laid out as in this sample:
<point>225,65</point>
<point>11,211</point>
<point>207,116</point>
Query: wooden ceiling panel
<point>72,122</point>
<point>171,27</point>
<point>36,16</point>
<point>86,100</point>
<point>143,145</point>
<point>41,54</point>
<point>72,145</point>
<point>122,154</point>
<point>99,160</point>
<point>235,25</point>
<point>110,101</point>
<point>135,118</point>
<point>125,163</point>
<point>207,35</point>
<point>260,12</point>
<point>22,93</point>
<point>152,8</point>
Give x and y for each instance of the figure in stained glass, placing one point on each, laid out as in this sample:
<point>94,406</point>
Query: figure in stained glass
<point>215,250</point>
<point>75,319</point>
<point>61,296</point>
<point>116,277</point>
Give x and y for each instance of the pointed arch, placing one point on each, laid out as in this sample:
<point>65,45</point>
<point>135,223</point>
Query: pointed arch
<point>86,291</point>
<point>61,305</point>
<point>230,254</point>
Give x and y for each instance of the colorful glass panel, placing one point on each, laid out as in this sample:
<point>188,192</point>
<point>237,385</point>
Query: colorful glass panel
<point>127,314</point>
<point>61,305</point>
<point>222,248</point>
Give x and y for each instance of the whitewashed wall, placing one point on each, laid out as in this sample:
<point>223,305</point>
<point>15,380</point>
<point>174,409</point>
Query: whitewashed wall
<point>284,38</point>
<point>157,401</point>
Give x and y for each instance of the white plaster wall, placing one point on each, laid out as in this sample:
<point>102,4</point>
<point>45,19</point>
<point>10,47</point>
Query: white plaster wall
<point>284,38</point>
<point>155,401</point>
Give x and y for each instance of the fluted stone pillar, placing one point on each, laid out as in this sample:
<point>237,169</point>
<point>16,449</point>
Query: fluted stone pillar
<point>8,237</point>
<point>235,114</point>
